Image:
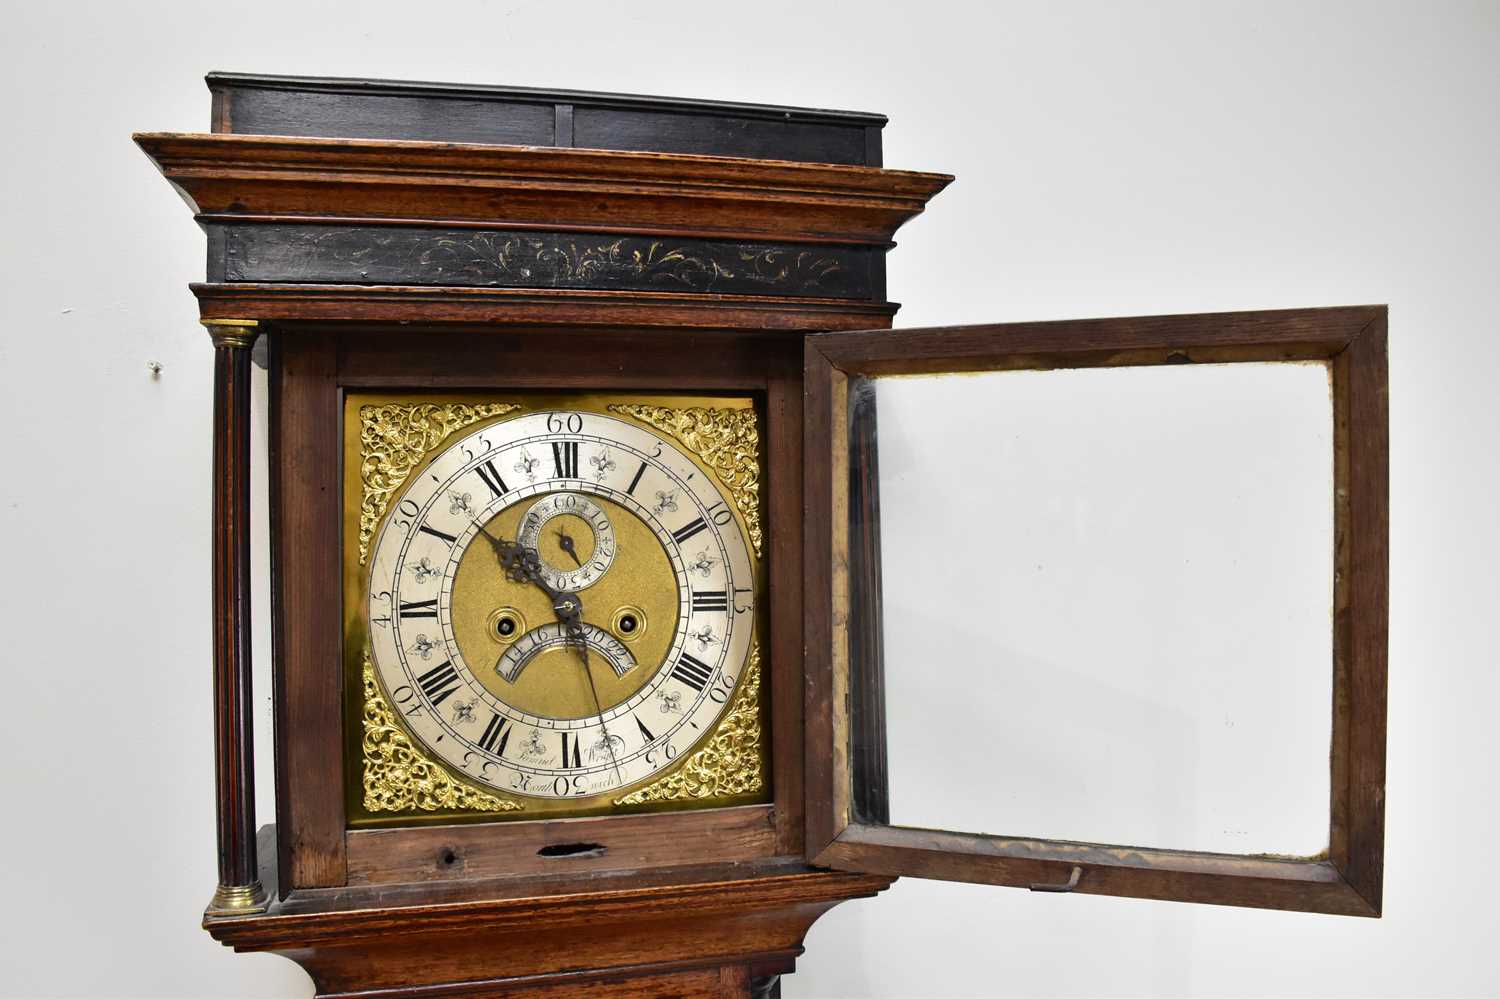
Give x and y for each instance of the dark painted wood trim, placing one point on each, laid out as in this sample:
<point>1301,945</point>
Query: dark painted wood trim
<point>870,791</point>
<point>304,253</point>
<point>539,95</point>
<point>313,106</point>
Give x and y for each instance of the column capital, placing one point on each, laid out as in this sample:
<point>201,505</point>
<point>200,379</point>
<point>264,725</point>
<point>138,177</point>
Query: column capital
<point>232,332</point>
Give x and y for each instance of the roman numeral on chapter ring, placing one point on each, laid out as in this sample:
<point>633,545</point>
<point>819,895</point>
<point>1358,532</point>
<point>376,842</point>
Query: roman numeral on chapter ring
<point>710,600</point>
<point>439,682</point>
<point>565,459</point>
<point>496,735</point>
<point>572,742</point>
<point>637,479</point>
<point>692,672</point>
<point>419,608</point>
<point>491,477</point>
<point>438,534</point>
<point>688,530</point>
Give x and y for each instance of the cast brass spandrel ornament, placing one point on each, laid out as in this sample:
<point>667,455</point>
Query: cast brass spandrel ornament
<point>728,763</point>
<point>726,440</point>
<point>394,438</point>
<point>398,777</point>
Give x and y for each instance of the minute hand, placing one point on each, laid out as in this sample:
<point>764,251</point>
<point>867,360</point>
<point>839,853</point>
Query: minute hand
<point>522,564</point>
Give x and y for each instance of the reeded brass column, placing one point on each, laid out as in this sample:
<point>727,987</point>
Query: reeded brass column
<point>239,890</point>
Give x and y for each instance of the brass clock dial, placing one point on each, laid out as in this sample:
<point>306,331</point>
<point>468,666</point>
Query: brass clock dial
<point>560,604</point>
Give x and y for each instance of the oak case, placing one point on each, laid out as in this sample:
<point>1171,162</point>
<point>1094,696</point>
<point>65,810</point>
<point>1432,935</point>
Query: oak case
<point>368,247</point>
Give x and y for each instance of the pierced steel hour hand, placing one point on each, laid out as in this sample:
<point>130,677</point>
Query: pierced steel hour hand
<point>523,565</point>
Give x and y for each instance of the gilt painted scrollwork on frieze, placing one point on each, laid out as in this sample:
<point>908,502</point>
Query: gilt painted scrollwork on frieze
<point>325,254</point>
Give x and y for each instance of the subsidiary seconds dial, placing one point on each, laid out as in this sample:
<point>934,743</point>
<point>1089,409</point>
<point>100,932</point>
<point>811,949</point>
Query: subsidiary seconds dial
<point>572,537</point>
<point>561,604</point>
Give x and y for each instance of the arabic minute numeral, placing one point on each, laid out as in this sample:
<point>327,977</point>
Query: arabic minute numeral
<point>719,692</point>
<point>668,751</point>
<point>562,786</point>
<point>408,512</point>
<point>385,620</point>
<point>564,422</point>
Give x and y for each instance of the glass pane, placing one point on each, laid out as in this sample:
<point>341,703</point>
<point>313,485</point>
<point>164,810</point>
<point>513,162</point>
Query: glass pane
<point>1107,600</point>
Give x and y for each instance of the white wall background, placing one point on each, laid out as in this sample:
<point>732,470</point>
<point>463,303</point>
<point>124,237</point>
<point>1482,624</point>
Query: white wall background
<point>1112,159</point>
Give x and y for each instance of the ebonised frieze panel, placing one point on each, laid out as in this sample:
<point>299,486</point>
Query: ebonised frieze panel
<point>414,255</point>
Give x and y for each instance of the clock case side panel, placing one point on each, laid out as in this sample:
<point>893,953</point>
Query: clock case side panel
<point>312,366</point>
<point>847,793</point>
<point>304,472</point>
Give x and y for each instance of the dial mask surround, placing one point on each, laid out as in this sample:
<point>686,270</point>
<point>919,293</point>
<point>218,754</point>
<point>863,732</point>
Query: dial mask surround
<point>654,543</point>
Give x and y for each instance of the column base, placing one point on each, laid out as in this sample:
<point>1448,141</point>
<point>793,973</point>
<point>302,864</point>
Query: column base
<point>238,900</point>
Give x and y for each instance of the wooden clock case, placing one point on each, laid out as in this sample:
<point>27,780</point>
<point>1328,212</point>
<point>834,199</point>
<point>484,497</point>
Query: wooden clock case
<point>376,236</point>
<point>323,201</point>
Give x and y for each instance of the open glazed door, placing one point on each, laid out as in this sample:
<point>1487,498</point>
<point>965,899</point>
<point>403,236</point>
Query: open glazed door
<point>1100,606</point>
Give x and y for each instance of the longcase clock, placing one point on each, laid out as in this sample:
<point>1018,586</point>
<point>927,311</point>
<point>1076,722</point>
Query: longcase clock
<point>576,539</point>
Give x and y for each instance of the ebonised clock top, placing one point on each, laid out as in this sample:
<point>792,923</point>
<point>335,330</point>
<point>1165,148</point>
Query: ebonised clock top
<point>329,107</point>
